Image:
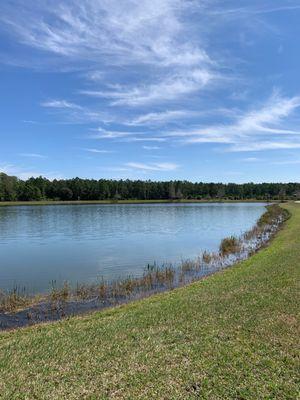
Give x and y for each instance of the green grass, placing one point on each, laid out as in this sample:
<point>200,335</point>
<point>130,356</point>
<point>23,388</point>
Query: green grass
<point>75,202</point>
<point>234,335</point>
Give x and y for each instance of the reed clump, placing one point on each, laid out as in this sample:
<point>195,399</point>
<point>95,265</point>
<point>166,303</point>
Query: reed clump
<point>13,300</point>
<point>102,290</point>
<point>60,294</point>
<point>83,291</point>
<point>207,257</point>
<point>253,233</point>
<point>191,265</point>
<point>273,214</point>
<point>230,245</point>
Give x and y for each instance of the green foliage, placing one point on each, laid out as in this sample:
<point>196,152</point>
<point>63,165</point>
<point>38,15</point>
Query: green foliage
<point>8,187</point>
<point>30,192</point>
<point>66,194</point>
<point>13,189</point>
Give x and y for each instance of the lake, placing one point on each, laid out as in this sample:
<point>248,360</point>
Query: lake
<point>82,243</point>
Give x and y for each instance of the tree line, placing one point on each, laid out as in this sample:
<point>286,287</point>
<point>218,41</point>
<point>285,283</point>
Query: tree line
<point>14,189</point>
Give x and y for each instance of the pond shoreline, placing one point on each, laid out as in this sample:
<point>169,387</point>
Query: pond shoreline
<point>111,202</point>
<point>19,311</point>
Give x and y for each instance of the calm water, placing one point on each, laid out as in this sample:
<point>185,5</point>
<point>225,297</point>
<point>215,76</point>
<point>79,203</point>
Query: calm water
<point>82,243</point>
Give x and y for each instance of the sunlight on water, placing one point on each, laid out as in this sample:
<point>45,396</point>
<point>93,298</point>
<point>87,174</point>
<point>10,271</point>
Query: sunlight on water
<point>80,243</point>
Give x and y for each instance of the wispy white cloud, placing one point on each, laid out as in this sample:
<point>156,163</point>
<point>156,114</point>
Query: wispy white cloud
<point>119,32</point>
<point>63,104</point>
<point>98,151</point>
<point>263,120</point>
<point>115,169</point>
<point>286,162</point>
<point>145,139</point>
<point>101,133</point>
<point>29,121</point>
<point>8,169</point>
<point>255,130</point>
<point>155,35</point>
<point>265,145</point>
<point>167,89</point>
<point>151,147</point>
<point>75,113</point>
<point>156,118</point>
<point>264,127</point>
<point>257,7</point>
<point>33,155</point>
<point>250,159</point>
<point>26,173</point>
<point>153,166</point>
<point>125,136</point>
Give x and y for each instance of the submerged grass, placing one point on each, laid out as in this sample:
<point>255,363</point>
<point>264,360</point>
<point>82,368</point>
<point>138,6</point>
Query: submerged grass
<point>234,335</point>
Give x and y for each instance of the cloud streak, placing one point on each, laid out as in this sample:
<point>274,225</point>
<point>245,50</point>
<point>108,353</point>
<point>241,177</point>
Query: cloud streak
<point>153,166</point>
<point>61,104</point>
<point>255,130</point>
<point>130,31</point>
<point>151,148</point>
<point>154,35</point>
<point>98,151</point>
<point>125,136</point>
<point>26,173</point>
<point>158,118</point>
<point>257,8</point>
<point>33,155</point>
<point>168,89</point>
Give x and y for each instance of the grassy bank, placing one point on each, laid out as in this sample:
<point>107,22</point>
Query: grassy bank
<point>234,335</point>
<point>80,202</point>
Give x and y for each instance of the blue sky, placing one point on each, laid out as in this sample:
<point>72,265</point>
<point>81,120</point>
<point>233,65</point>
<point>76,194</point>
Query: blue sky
<point>204,90</point>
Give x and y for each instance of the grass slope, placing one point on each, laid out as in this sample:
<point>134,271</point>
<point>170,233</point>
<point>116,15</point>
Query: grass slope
<point>234,335</point>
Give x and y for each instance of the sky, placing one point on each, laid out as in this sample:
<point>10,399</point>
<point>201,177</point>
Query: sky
<point>202,90</point>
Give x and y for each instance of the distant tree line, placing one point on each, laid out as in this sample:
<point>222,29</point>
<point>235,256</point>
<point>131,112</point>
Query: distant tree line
<point>14,189</point>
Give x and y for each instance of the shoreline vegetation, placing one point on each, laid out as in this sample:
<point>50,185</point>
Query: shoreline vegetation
<point>233,335</point>
<point>108,202</point>
<point>19,309</point>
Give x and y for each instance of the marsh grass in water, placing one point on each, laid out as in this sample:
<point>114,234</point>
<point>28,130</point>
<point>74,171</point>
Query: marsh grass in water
<point>230,245</point>
<point>65,300</point>
<point>13,299</point>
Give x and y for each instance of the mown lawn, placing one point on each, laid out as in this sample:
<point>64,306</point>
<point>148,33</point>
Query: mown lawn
<point>234,335</point>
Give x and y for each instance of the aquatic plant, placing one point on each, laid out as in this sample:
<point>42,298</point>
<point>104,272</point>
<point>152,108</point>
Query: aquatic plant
<point>82,291</point>
<point>60,294</point>
<point>230,245</point>
<point>14,299</point>
<point>207,257</point>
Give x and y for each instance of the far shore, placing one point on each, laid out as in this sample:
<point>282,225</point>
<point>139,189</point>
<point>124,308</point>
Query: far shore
<point>160,201</point>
